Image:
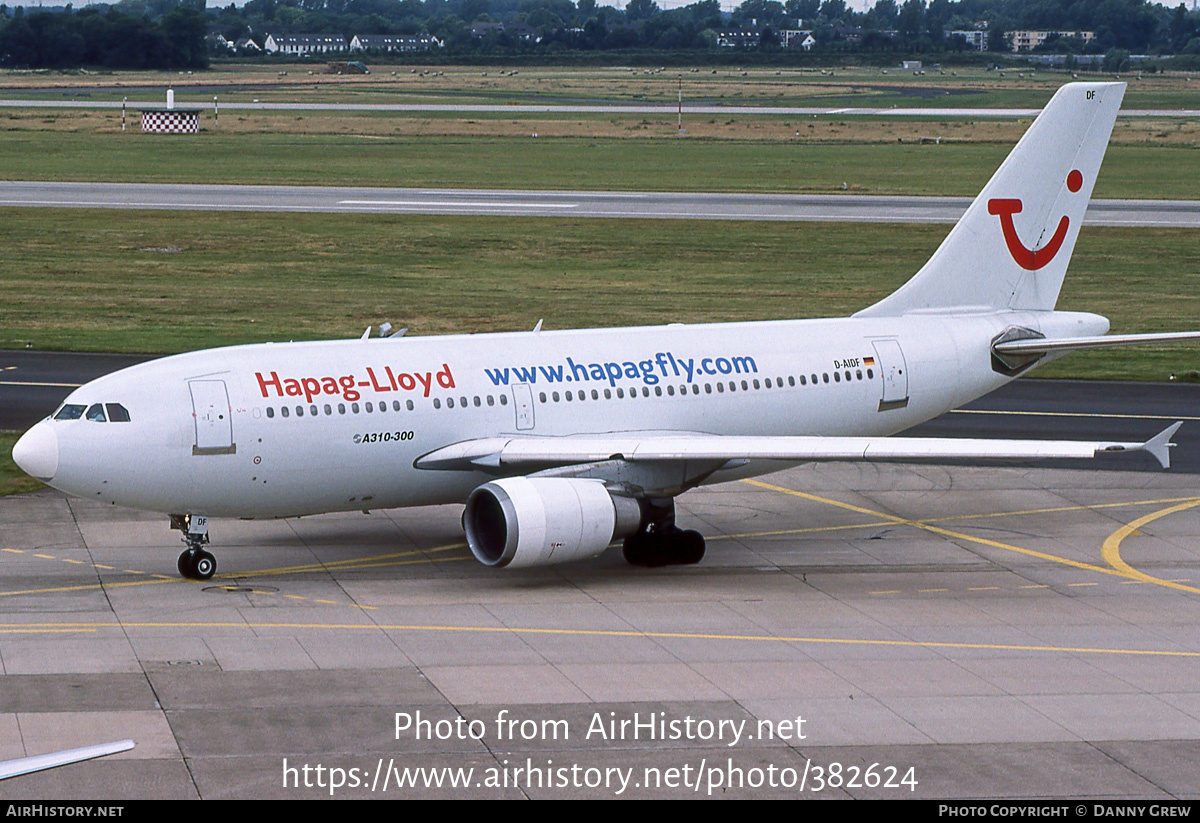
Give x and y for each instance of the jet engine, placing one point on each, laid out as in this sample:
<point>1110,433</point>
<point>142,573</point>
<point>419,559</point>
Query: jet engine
<point>536,521</point>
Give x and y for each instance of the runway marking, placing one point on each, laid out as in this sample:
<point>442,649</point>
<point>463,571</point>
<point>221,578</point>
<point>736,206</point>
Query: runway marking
<point>1076,414</point>
<point>375,561</point>
<point>351,563</point>
<point>948,518</point>
<point>928,526</point>
<point>1111,548</point>
<point>526,630</point>
<point>459,204</point>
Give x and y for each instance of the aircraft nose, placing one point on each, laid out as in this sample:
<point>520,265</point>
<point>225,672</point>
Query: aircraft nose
<point>37,452</point>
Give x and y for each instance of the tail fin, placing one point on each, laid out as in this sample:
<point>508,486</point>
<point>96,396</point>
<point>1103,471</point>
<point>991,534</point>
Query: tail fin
<point>1011,248</point>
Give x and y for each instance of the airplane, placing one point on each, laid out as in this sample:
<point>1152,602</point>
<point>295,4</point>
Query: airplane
<point>561,443</point>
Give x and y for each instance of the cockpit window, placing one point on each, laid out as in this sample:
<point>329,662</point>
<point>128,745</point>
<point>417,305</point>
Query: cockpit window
<point>70,411</point>
<point>117,413</point>
<point>95,413</point>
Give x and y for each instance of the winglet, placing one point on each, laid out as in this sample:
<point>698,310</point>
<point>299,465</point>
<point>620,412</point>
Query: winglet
<point>1160,445</point>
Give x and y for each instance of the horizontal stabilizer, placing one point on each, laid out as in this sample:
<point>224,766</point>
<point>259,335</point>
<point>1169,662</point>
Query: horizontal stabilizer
<point>1044,345</point>
<point>41,762</point>
<point>533,452</point>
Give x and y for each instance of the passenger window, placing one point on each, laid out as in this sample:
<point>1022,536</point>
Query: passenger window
<point>354,408</point>
<point>492,400</point>
<point>870,374</point>
<point>395,405</point>
<point>608,394</point>
<point>595,395</point>
<point>803,380</point>
<point>670,391</point>
<point>369,407</point>
<point>117,413</point>
<point>477,401</point>
<point>620,394</point>
<point>328,410</point>
<point>708,388</point>
<point>313,410</point>
<point>283,410</point>
<point>437,404</point>
<point>449,402</point>
<point>70,412</point>
<point>270,411</point>
<point>341,408</point>
<point>541,397</point>
<point>299,411</point>
<point>410,405</point>
<point>792,380</point>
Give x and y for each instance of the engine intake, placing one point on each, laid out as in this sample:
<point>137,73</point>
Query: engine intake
<point>524,521</point>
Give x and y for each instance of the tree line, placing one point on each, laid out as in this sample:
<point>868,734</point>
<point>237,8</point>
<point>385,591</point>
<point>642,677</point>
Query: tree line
<point>175,33</point>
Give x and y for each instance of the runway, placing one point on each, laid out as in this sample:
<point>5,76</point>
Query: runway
<point>651,205</point>
<point>526,109</point>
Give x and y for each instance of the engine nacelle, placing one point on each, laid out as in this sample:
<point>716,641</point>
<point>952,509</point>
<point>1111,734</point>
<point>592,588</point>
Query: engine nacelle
<point>524,521</point>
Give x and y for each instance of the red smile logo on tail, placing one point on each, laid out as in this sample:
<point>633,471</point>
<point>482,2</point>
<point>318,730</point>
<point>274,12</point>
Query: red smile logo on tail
<point>1031,259</point>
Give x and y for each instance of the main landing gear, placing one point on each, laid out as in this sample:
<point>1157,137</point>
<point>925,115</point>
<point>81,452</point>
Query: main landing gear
<point>194,562</point>
<point>661,542</point>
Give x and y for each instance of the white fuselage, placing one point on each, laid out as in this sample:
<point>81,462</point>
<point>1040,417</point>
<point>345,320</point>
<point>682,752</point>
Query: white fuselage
<point>278,430</point>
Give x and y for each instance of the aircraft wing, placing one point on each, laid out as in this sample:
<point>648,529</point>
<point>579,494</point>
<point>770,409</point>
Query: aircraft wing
<point>529,452</point>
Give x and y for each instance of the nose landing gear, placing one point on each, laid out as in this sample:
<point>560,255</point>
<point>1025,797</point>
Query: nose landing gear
<point>194,562</point>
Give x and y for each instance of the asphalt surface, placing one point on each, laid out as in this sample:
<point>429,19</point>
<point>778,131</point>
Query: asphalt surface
<point>664,205</point>
<point>521,109</point>
<point>1001,633</point>
<point>33,383</point>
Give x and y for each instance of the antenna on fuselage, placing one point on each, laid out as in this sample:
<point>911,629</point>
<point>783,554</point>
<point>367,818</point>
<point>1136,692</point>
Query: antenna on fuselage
<point>538,327</point>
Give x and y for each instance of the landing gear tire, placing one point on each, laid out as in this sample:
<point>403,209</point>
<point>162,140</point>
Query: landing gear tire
<point>196,564</point>
<point>673,547</point>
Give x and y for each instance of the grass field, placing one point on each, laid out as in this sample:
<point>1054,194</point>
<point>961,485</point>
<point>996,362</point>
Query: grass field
<point>668,164</point>
<point>1149,158</point>
<point>1019,87</point>
<point>173,281</point>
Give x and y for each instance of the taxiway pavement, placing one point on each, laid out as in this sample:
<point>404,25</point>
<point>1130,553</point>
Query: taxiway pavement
<point>1002,633</point>
<point>525,109</point>
<point>1010,632</point>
